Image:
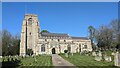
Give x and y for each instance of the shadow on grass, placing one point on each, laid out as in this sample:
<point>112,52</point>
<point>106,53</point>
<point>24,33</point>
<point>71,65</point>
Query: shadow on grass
<point>13,64</point>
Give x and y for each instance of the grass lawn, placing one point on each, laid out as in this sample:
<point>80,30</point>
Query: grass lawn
<point>79,60</point>
<point>42,60</point>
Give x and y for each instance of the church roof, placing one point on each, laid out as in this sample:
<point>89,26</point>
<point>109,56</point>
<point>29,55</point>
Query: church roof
<point>48,34</point>
<point>54,34</point>
<point>84,38</point>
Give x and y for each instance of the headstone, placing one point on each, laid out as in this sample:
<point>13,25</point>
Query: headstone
<point>27,55</point>
<point>99,53</point>
<point>87,54</point>
<point>0,56</point>
<point>117,59</point>
<point>113,53</point>
<point>66,55</point>
<point>98,58</point>
<point>108,58</point>
<point>93,53</point>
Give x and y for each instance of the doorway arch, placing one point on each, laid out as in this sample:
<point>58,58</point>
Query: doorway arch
<point>53,50</point>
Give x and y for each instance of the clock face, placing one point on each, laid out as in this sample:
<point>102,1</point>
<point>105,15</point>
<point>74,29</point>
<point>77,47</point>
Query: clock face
<point>30,21</point>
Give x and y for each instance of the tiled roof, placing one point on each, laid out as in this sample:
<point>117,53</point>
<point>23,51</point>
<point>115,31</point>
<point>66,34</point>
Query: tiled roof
<point>84,38</point>
<point>47,34</point>
<point>54,34</point>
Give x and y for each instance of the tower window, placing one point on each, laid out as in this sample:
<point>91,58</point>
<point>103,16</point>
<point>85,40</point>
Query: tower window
<point>30,21</point>
<point>58,40</point>
<point>30,33</point>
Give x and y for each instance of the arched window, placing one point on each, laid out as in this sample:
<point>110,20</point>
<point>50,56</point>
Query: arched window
<point>69,48</point>
<point>30,21</point>
<point>30,33</point>
<point>43,48</point>
<point>58,40</point>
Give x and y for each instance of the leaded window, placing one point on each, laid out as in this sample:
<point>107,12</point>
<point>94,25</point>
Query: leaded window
<point>43,48</point>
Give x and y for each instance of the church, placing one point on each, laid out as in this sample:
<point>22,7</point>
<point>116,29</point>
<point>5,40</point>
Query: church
<point>47,42</point>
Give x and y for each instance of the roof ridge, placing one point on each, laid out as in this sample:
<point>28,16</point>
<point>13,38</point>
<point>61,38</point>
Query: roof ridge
<point>54,33</point>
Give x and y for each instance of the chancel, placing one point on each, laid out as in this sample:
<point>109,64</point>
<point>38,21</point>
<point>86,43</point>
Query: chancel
<point>47,42</point>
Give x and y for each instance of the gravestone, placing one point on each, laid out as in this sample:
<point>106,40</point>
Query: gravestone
<point>108,58</point>
<point>98,58</point>
<point>99,53</point>
<point>66,55</point>
<point>0,56</point>
<point>117,59</point>
<point>113,53</point>
<point>93,53</point>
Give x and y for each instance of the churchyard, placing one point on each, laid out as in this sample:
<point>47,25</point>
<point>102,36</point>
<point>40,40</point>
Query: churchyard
<point>86,59</point>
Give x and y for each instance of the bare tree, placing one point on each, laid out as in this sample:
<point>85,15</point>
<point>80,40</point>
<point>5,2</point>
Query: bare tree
<point>104,37</point>
<point>115,24</point>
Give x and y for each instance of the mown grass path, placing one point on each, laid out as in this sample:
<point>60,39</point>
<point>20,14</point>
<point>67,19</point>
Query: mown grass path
<point>59,61</point>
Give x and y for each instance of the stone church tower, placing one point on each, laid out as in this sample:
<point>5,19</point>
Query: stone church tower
<point>30,34</point>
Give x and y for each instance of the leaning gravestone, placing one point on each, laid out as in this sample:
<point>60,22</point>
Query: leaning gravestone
<point>117,59</point>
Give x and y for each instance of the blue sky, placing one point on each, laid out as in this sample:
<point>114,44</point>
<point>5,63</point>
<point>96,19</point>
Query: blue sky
<point>61,17</point>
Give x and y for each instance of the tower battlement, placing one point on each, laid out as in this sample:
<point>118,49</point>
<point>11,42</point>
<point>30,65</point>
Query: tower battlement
<point>32,15</point>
